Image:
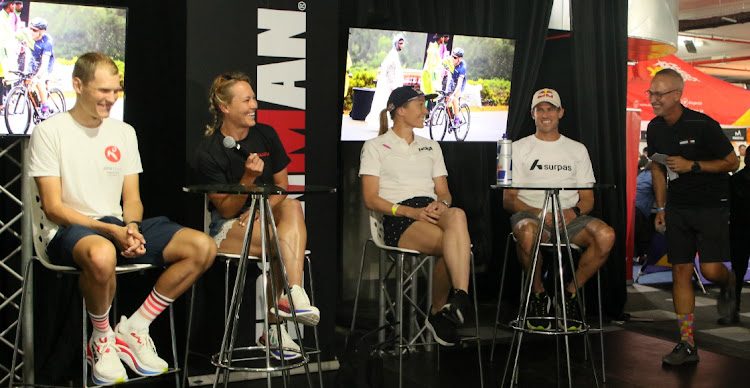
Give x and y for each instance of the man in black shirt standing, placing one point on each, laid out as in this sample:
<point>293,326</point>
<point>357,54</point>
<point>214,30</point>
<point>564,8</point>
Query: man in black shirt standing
<point>693,205</point>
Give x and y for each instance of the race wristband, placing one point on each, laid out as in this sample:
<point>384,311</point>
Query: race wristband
<point>659,209</point>
<point>394,208</point>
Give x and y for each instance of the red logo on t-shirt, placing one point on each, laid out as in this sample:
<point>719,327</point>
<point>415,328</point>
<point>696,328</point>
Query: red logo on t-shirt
<point>112,153</point>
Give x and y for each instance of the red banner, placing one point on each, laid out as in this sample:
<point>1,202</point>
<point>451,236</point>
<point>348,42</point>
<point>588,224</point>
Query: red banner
<point>724,102</point>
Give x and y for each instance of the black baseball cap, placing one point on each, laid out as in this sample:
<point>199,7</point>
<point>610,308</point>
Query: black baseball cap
<point>404,94</point>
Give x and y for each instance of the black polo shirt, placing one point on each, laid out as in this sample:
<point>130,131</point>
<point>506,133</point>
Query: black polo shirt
<point>695,136</point>
<point>217,164</point>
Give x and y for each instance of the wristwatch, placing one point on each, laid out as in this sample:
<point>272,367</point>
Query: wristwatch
<point>696,167</point>
<point>138,224</point>
<point>577,211</point>
<point>445,203</point>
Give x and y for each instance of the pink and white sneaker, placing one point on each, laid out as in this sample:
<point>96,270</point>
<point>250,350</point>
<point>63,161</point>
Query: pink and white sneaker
<point>137,351</point>
<point>106,367</point>
<point>307,314</point>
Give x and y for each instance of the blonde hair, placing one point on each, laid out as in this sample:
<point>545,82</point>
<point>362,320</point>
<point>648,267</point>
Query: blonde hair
<point>384,120</point>
<point>86,65</point>
<point>220,93</point>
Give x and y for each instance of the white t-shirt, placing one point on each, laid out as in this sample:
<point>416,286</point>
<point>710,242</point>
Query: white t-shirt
<point>91,162</point>
<point>559,163</point>
<point>405,170</point>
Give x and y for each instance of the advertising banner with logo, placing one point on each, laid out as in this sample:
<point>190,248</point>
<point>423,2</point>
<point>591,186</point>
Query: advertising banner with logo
<point>724,102</point>
<point>273,42</point>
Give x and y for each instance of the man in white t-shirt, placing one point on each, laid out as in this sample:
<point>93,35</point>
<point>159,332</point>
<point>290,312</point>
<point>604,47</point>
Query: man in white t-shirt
<point>84,164</point>
<point>549,159</point>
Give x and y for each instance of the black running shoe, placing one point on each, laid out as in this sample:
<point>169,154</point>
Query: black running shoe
<point>572,312</point>
<point>727,303</point>
<point>537,311</point>
<point>457,307</point>
<point>683,353</point>
<point>442,329</point>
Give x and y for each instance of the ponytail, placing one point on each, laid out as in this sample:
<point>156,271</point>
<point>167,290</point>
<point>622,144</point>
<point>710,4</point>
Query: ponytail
<point>383,122</point>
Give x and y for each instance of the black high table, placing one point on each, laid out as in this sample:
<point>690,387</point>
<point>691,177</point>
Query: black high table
<point>559,240</point>
<point>260,204</point>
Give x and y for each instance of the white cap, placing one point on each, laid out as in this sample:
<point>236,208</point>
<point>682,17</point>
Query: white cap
<point>546,95</point>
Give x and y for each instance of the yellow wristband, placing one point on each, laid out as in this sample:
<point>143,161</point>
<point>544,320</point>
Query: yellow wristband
<point>394,208</point>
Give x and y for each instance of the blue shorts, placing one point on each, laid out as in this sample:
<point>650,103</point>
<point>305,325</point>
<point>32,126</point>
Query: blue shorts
<point>157,231</point>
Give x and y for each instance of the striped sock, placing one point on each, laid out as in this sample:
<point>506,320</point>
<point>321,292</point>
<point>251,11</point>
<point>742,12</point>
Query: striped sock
<point>149,310</point>
<point>686,328</point>
<point>100,323</point>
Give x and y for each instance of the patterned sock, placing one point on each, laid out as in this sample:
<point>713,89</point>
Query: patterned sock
<point>686,328</point>
<point>149,310</point>
<point>101,324</point>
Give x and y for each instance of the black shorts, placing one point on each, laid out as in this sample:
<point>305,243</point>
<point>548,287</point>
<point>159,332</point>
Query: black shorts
<point>157,231</point>
<point>394,227</point>
<point>704,230</point>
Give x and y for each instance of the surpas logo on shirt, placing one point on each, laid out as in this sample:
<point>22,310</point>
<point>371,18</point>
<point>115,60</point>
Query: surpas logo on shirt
<point>554,167</point>
<point>112,153</point>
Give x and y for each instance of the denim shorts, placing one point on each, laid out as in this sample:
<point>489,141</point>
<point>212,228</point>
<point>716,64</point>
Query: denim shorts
<point>157,231</point>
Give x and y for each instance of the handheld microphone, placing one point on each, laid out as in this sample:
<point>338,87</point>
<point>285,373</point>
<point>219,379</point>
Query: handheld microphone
<point>229,142</point>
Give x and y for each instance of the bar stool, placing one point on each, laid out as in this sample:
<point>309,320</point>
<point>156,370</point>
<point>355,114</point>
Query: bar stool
<point>573,247</point>
<point>406,265</point>
<point>231,358</point>
<point>229,259</point>
<point>560,240</point>
<point>38,222</point>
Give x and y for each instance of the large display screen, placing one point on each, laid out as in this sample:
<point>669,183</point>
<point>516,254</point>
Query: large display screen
<point>34,87</point>
<point>379,61</point>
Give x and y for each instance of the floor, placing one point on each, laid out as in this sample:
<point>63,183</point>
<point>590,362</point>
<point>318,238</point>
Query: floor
<point>633,351</point>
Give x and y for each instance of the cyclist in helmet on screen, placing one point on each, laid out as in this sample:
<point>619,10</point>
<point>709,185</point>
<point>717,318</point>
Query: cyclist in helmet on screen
<point>42,58</point>
<point>457,82</point>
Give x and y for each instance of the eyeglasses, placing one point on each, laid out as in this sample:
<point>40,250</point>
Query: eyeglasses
<point>658,95</point>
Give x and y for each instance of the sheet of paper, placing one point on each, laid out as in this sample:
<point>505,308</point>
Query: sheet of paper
<point>662,159</point>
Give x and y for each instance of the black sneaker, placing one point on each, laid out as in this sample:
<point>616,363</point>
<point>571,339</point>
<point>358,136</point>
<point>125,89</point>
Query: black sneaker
<point>572,312</point>
<point>683,353</point>
<point>727,302</point>
<point>731,319</point>
<point>457,307</point>
<point>442,329</point>
<point>538,309</point>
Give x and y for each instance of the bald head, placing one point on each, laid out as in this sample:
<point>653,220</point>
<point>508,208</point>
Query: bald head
<point>673,76</point>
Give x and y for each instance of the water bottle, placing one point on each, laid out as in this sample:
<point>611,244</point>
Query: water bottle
<point>504,161</point>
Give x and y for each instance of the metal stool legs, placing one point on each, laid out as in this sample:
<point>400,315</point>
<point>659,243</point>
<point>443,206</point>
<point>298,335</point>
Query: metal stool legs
<point>406,288</point>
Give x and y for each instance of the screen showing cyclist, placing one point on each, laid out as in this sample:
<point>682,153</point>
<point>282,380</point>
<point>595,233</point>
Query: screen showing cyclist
<point>457,81</point>
<point>42,58</point>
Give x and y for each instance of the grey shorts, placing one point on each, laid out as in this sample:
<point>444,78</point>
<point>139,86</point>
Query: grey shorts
<point>574,227</point>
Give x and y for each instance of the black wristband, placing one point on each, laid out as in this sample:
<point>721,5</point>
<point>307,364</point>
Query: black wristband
<point>138,224</point>
<point>577,211</point>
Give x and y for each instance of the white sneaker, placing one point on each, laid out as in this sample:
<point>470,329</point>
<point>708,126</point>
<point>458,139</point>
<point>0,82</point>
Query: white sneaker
<point>137,351</point>
<point>307,314</point>
<point>291,349</point>
<point>106,367</point>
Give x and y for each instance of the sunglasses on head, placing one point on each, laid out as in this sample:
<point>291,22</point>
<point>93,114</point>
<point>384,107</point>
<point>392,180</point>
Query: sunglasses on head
<point>224,77</point>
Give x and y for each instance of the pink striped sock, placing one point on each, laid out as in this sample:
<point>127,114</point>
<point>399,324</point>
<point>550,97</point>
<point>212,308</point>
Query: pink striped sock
<point>149,310</point>
<point>100,323</point>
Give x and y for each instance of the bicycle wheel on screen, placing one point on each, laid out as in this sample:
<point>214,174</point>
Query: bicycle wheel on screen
<point>464,114</point>
<point>438,123</point>
<point>17,111</point>
<point>56,101</point>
